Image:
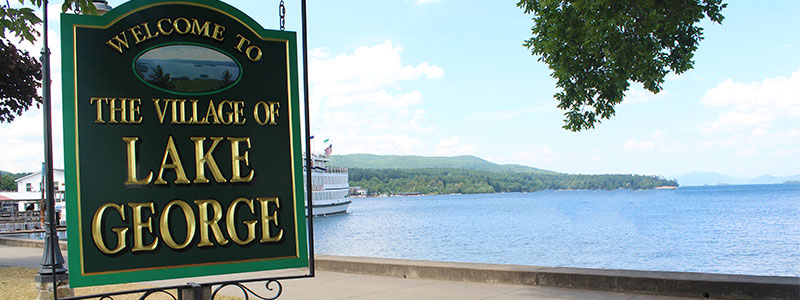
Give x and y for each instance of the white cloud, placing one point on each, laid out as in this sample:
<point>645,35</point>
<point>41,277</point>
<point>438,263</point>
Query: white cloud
<point>754,104</point>
<point>379,97</point>
<point>633,145</point>
<point>452,147</point>
<point>533,157</point>
<point>421,2</point>
<point>22,141</point>
<point>360,99</point>
<point>748,152</point>
<point>758,132</point>
<point>755,119</point>
<point>368,69</point>
<point>640,95</point>
<point>319,53</point>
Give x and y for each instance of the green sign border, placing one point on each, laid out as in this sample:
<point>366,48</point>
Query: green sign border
<point>71,152</point>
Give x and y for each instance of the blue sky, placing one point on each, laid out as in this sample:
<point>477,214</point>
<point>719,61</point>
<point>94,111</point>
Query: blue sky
<point>452,77</point>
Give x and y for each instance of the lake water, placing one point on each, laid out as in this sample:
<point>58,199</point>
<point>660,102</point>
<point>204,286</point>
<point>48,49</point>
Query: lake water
<point>190,70</point>
<point>740,229</point>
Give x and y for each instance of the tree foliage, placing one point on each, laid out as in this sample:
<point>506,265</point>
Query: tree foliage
<point>7,181</point>
<point>451,181</point>
<point>20,79</point>
<point>22,22</point>
<point>20,73</point>
<point>159,78</point>
<point>596,48</point>
<point>227,77</point>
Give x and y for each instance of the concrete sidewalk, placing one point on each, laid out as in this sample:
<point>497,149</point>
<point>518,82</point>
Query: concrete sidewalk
<point>336,285</point>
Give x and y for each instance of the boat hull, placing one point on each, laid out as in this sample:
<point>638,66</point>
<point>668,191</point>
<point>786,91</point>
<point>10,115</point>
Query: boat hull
<point>330,209</point>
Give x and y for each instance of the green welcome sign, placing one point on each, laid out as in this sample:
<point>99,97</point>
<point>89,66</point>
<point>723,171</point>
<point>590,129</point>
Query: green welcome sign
<point>182,144</point>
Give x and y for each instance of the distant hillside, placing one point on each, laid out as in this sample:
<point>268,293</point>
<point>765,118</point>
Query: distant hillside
<point>7,182</point>
<point>767,179</point>
<point>462,181</point>
<point>467,162</point>
<point>711,178</point>
<point>708,178</point>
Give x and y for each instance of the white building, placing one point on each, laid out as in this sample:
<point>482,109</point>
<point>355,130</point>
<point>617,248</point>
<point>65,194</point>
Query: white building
<point>29,194</point>
<point>33,182</point>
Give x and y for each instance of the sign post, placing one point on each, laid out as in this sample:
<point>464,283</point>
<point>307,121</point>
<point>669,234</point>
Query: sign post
<point>182,144</point>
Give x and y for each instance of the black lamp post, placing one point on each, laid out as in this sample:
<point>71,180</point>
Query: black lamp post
<point>52,270</point>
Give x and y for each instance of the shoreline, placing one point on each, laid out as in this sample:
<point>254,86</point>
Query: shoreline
<point>680,284</point>
<point>664,187</point>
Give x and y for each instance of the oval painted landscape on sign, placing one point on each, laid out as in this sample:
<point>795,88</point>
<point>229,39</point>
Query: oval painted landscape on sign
<point>187,69</point>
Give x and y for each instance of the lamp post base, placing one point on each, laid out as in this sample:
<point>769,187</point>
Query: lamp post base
<point>44,286</point>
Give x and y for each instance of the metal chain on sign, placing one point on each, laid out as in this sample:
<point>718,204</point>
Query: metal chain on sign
<point>282,14</point>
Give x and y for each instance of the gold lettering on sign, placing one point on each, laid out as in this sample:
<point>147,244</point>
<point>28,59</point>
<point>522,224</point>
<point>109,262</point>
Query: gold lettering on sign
<point>133,110</point>
<point>206,223</point>
<point>189,112</point>
<point>177,25</point>
<point>118,42</point>
<point>139,225</point>
<point>230,222</point>
<point>138,35</point>
<point>271,111</point>
<point>188,214</point>
<point>165,27</point>
<point>112,110</point>
<point>206,158</point>
<point>120,110</point>
<point>252,52</point>
<point>266,235</point>
<point>132,165</point>
<point>98,102</point>
<point>236,159</point>
<point>161,27</point>
<point>172,152</point>
<point>211,113</point>
<point>218,30</point>
<point>197,29</point>
<point>97,229</point>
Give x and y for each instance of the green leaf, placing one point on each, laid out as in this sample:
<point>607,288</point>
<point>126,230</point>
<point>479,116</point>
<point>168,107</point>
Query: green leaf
<point>597,48</point>
<point>29,36</point>
<point>89,9</point>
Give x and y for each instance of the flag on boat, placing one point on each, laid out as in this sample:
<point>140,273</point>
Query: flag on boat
<point>329,150</point>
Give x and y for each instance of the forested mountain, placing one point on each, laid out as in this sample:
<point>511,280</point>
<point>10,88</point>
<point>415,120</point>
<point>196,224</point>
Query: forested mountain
<point>450,181</point>
<point>468,162</point>
<point>396,174</point>
<point>7,182</point>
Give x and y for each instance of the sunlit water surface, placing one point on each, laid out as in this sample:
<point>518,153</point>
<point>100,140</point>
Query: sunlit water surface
<point>741,229</point>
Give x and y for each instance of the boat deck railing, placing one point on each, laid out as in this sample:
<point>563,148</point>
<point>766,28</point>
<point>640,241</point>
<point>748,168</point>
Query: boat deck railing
<point>336,170</point>
<point>20,221</point>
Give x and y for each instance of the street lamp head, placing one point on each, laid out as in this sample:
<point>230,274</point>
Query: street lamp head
<point>102,7</point>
